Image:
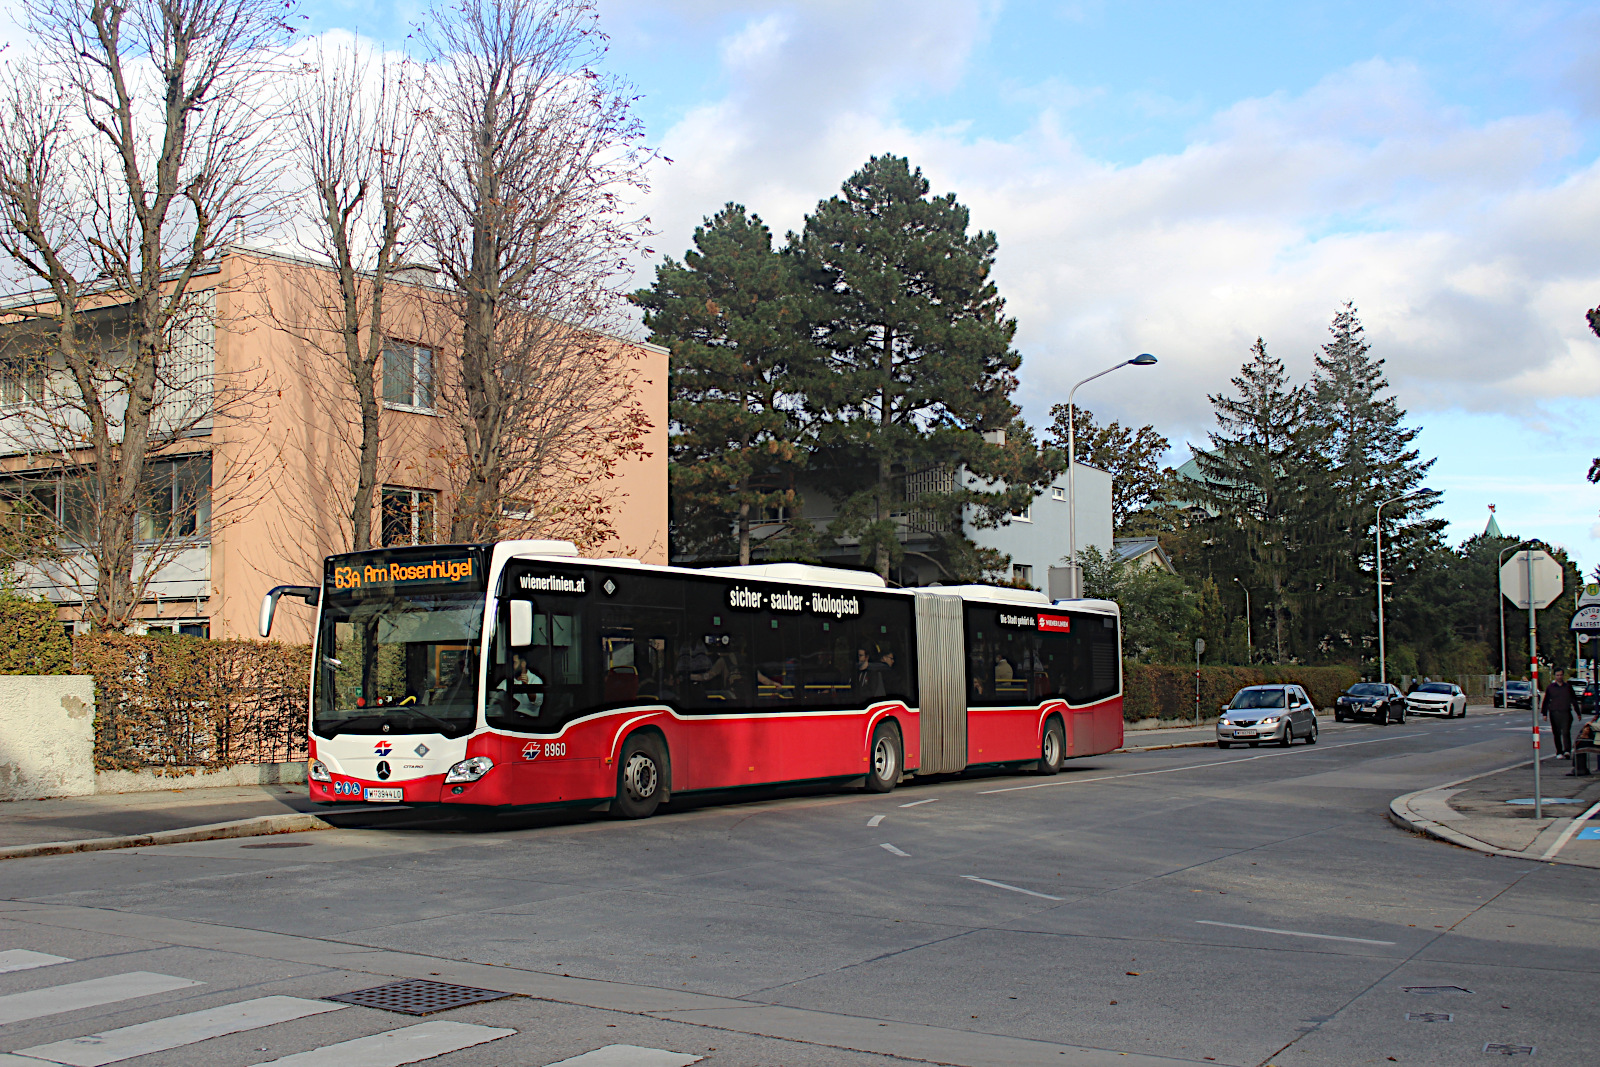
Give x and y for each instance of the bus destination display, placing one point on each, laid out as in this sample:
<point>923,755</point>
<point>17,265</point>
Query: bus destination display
<point>403,573</point>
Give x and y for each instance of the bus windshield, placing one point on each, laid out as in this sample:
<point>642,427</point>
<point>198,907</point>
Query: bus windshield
<point>403,663</point>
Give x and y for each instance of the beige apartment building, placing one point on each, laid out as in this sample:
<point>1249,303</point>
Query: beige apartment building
<point>267,455</point>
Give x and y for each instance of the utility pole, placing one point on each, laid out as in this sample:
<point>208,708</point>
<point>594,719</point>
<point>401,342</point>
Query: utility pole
<point>1533,673</point>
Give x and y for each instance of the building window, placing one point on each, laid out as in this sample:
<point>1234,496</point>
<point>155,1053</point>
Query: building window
<point>1057,493</point>
<point>1022,574</point>
<point>21,382</point>
<point>408,377</point>
<point>180,627</point>
<point>177,499</point>
<point>1025,515</point>
<point>408,516</point>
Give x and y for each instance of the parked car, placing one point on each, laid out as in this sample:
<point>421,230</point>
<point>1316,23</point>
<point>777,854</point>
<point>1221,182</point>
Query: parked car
<point>1257,713</point>
<point>1437,698</point>
<point>1515,695</point>
<point>1378,701</point>
<point>1588,696</point>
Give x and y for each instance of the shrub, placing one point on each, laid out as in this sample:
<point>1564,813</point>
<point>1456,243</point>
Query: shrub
<point>1168,692</point>
<point>32,639</point>
<point>190,702</point>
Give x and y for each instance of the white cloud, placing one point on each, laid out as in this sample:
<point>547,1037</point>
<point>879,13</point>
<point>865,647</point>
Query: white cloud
<point>1470,247</point>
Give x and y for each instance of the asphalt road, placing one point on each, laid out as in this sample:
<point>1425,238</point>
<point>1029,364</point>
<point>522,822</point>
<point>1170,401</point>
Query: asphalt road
<point>1246,907</point>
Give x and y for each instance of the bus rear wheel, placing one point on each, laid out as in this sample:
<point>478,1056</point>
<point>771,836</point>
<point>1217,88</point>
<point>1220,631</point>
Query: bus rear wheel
<point>885,755</point>
<point>1053,749</point>
<point>640,777</point>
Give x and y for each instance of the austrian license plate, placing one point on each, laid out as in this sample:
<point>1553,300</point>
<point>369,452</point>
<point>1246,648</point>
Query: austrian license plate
<point>385,796</point>
<point>1236,733</point>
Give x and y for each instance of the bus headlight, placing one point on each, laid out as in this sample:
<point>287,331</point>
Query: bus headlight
<point>469,770</point>
<point>318,772</point>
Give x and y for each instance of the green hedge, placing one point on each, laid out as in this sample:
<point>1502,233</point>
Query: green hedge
<point>1168,692</point>
<point>32,639</point>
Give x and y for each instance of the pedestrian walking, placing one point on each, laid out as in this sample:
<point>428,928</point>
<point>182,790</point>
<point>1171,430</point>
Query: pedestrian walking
<point>1559,703</point>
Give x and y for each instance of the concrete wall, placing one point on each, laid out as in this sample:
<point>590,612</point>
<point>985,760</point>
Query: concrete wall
<point>154,781</point>
<point>46,736</point>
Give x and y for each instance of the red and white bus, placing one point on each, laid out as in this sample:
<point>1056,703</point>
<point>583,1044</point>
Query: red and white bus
<point>517,674</point>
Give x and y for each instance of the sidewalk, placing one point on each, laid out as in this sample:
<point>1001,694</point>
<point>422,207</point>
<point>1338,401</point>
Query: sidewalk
<point>1494,813</point>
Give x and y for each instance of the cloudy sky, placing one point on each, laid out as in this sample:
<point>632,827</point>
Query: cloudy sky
<point>1180,178</point>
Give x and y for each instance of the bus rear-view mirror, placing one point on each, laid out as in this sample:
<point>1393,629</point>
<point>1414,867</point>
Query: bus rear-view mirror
<point>521,623</point>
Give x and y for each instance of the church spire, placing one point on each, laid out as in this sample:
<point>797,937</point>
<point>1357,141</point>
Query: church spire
<point>1493,529</point>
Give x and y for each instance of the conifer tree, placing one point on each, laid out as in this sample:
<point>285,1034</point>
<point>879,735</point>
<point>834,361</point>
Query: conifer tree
<point>730,314</point>
<point>1371,459</point>
<point>1260,478</point>
<point>1131,456</point>
<point>917,362</point>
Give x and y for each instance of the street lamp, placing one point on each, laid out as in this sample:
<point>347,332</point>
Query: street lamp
<point>1501,597</point>
<point>1377,529</point>
<point>1144,359</point>
<point>1249,644</point>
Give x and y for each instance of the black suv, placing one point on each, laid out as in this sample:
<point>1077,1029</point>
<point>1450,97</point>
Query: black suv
<point>1378,701</point>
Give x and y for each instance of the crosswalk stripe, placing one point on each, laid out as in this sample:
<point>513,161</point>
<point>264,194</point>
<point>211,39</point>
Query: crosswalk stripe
<point>53,1000</point>
<point>629,1056</point>
<point>20,959</point>
<point>394,1048</point>
<point>124,1043</point>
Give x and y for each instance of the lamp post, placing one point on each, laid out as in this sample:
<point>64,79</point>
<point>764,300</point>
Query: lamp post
<point>1501,597</point>
<point>1377,529</point>
<point>1249,643</point>
<point>1144,359</point>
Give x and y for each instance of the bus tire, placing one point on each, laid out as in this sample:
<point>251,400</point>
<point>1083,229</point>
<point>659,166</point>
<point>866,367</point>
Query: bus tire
<point>886,758</point>
<point>1053,748</point>
<point>641,777</point>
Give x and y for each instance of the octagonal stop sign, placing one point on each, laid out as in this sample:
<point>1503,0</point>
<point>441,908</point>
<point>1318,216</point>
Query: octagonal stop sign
<point>1547,580</point>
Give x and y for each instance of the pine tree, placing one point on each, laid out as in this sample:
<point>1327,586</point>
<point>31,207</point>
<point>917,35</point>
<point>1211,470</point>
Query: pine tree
<point>1261,478</point>
<point>1371,459</point>
<point>917,360</point>
<point>730,314</point>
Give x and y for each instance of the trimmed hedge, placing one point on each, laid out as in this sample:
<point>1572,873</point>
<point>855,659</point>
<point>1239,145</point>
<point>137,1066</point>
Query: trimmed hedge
<point>32,639</point>
<point>169,701</point>
<point>1168,692</point>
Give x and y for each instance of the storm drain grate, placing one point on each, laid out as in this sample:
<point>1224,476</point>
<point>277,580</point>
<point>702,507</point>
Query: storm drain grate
<point>418,996</point>
<point>1438,990</point>
<point>1497,1049</point>
<point>1429,1017</point>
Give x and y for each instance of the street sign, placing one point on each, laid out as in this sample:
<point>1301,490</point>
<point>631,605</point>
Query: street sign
<point>1199,645</point>
<point>1589,595</point>
<point>1587,619</point>
<point>1547,581</point>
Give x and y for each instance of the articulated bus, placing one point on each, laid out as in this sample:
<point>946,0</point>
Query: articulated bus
<point>517,674</point>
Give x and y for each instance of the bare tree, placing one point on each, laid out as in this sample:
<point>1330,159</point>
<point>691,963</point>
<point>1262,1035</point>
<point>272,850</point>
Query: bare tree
<point>132,149</point>
<point>534,156</point>
<point>354,136</point>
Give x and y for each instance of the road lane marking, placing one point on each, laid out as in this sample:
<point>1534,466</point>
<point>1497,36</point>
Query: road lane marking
<point>394,1048</point>
<point>124,1043</point>
<point>20,959</point>
<point>1013,888</point>
<point>1191,767</point>
<point>1566,835</point>
<point>890,848</point>
<point>1294,933</point>
<point>914,803</point>
<point>875,820</point>
<point>53,1000</point>
<point>629,1056</point>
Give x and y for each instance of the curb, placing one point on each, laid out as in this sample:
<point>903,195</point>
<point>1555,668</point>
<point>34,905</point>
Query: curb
<point>1179,744</point>
<point>219,831</point>
<point>1401,815</point>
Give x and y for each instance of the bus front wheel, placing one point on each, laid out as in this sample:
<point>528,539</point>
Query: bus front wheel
<point>886,759</point>
<point>640,777</point>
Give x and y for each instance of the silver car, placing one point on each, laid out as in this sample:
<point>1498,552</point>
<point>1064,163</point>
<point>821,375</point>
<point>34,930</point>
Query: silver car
<point>1437,698</point>
<point>1277,713</point>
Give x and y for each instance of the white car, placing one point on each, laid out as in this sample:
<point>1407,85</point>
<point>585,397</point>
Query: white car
<point>1437,698</point>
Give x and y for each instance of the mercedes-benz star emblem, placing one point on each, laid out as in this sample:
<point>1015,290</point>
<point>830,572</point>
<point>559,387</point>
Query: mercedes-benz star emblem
<point>383,770</point>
